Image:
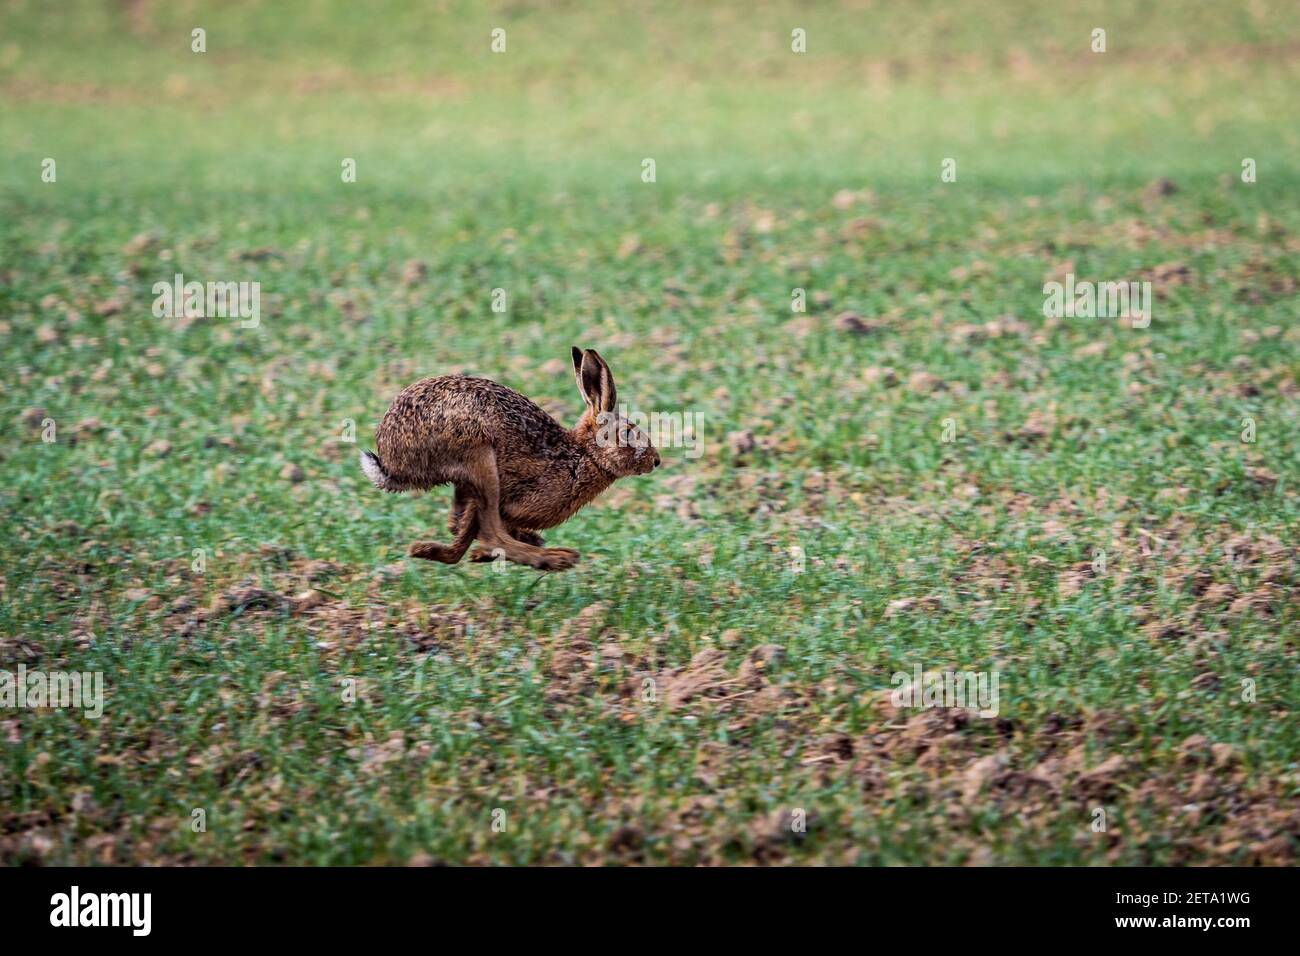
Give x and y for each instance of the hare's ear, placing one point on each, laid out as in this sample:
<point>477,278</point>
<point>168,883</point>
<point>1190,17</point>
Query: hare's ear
<point>577,369</point>
<point>597,382</point>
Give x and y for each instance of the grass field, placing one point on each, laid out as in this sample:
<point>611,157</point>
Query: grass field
<point>920,469</point>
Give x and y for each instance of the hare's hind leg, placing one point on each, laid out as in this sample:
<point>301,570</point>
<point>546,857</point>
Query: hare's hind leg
<point>527,537</point>
<point>492,529</point>
<point>464,524</point>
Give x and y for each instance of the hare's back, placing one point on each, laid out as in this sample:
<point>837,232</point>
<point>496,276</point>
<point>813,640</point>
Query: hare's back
<point>459,409</point>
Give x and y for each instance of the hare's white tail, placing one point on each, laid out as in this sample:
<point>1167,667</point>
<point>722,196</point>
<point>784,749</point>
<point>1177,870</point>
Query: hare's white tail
<point>374,470</point>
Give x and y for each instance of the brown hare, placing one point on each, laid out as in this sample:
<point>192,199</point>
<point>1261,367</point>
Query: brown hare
<point>516,470</point>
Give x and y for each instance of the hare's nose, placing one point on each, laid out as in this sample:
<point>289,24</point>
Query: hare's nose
<point>657,461</point>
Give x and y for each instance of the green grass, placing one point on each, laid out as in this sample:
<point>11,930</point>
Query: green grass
<point>483,690</point>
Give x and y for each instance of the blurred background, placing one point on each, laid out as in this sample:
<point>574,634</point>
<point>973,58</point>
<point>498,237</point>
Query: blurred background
<point>583,91</point>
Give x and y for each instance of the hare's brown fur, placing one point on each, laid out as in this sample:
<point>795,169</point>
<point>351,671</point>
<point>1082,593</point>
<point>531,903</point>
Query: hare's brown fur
<point>515,469</point>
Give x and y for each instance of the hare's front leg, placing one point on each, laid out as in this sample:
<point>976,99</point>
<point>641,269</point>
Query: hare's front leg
<point>482,467</point>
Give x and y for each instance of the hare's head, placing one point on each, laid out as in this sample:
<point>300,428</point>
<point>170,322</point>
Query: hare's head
<point>617,445</point>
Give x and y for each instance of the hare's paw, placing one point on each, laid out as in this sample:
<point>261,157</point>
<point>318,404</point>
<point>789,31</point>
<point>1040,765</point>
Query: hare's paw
<point>432,551</point>
<point>556,559</point>
<point>482,555</point>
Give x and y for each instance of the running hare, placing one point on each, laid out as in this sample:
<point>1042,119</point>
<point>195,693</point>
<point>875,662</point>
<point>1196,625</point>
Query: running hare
<point>516,470</point>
